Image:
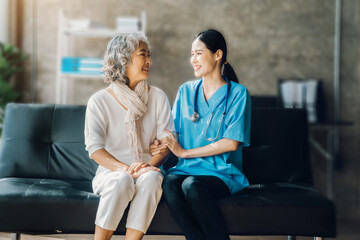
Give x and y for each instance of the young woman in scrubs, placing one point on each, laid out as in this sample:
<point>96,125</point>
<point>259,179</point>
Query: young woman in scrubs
<point>121,121</point>
<point>212,119</point>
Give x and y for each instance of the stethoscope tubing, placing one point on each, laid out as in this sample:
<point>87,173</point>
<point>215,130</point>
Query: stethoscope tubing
<point>195,116</point>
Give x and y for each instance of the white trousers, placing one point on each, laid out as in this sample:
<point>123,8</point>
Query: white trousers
<point>117,189</point>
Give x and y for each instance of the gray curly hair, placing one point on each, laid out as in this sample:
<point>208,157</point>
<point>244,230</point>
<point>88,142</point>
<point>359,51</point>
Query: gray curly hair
<point>118,56</point>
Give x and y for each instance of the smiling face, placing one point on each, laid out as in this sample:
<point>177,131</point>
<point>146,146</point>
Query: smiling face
<point>139,67</point>
<point>203,60</point>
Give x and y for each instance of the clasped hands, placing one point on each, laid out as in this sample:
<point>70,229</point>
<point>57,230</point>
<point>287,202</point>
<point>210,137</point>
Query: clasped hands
<point>171,143</point>
<point>159,146</point>
<point>138,168</point>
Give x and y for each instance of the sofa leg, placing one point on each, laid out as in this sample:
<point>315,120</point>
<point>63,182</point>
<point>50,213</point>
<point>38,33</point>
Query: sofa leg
<point>15,236</point>
<point>291,238</point>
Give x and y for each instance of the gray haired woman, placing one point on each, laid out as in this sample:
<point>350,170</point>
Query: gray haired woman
<point>121,122</point>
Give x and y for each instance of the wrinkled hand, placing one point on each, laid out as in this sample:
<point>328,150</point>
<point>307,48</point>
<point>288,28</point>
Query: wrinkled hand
<point>173,145</point>
<point>157,147</point>
<point>134,167</point>
<point>143,170</point>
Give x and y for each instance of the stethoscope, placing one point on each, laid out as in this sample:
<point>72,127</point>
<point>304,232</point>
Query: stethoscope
<point>195,116</point>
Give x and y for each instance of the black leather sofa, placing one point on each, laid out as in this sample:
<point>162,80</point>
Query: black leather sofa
<point>45,177</point>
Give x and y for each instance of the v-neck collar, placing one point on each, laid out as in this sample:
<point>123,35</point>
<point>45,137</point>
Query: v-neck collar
<point>204,107</point>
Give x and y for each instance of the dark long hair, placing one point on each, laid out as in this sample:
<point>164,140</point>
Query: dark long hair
<point>214,41</point>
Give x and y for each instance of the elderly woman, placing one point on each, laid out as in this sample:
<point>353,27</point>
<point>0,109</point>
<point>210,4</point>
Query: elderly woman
<point>121,122</point>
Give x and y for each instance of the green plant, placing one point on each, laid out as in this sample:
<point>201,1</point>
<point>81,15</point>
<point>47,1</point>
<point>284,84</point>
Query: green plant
<point>11,60</point>
<point>7,94</point>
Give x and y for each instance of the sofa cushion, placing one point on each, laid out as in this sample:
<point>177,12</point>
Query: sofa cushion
<point>278,149</point>
<point>46,205</point>
<point>49,188</point>
<point>45,141</point>
<point>275,208</point>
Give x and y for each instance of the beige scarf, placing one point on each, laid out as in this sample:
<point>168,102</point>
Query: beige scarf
<point>135,101</point>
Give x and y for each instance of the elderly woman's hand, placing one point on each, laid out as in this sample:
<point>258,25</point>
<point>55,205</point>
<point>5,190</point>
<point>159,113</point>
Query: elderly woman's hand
<point>134,167</point>
<point>173,145</point>
<point>157,147</point>
<point>144,170</point>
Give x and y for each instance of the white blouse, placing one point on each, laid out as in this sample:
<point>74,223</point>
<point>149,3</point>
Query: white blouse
<point>104,124</point>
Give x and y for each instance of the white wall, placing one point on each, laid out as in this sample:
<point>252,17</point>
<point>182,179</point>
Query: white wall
<point>4,20</point>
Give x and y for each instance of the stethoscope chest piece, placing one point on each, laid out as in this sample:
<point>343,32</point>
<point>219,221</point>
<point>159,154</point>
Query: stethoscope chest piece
<point>194,117</point>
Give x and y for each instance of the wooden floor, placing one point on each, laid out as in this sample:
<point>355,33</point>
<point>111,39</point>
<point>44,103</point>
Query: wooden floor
<point>6,236</point>
<point>347,230</point>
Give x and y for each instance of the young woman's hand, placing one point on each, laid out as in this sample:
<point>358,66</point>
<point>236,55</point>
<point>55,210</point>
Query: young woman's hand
<point>157,147</point>
<point>143,170</point>
<point>173,145</point>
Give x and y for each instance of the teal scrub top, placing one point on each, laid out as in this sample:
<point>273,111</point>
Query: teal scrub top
<point>236,125</point>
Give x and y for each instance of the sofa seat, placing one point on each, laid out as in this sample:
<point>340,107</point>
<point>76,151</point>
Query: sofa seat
<point>251,211</point>
<point>51,188</point>
<point>34,200</point>
<point>73,203</point>
<point>247,213</point>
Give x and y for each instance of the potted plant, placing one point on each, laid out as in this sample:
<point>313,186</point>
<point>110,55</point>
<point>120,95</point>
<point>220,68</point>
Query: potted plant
<point>11,60</point>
